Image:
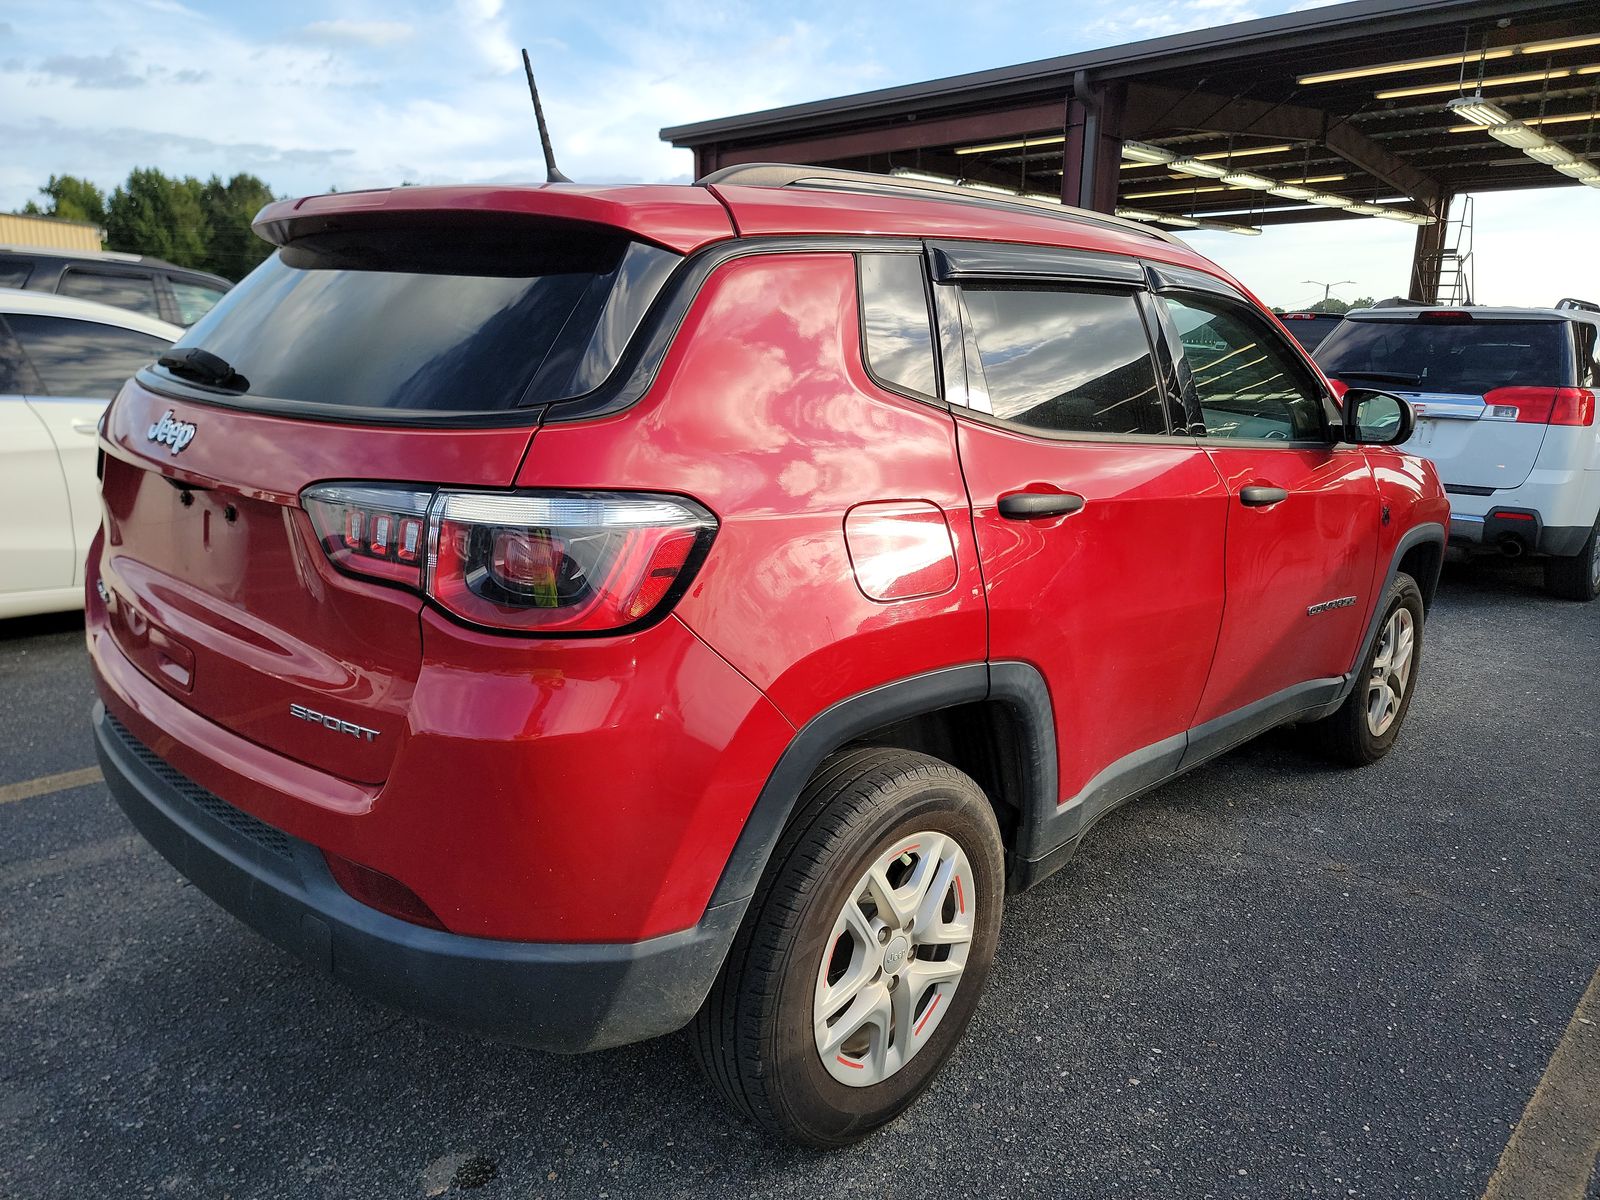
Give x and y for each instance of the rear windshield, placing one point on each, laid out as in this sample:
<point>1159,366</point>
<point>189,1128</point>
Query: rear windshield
<point>1461,357</point>
<point>1310,332</point>
<point>440,320</point>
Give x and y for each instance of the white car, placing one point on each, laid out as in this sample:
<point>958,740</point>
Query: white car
<point>1505,403</point>
<point>61,362</point>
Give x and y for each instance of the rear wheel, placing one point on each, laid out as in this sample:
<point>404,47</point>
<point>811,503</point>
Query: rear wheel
<point>864,952</point>
<point>1578,577</point>
<point>1366,725</point>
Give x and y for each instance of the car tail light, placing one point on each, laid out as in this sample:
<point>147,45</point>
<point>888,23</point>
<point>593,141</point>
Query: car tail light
<point>1445,316</point>
<point>1542,405</point>
<point>585,562</point>
<point>531,562</point>
<point>377,531</point>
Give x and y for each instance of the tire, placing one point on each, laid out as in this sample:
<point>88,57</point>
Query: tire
<point>1578,577</point>
<point>758,1035</point>
<point>1352,735</point>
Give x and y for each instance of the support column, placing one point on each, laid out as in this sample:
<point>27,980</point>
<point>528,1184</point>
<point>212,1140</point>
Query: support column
<point>1091,157</point>
<point>1426,257</point>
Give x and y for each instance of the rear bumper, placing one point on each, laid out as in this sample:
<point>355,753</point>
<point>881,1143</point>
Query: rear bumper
<point>1530,531</point>
<point>565,997</point>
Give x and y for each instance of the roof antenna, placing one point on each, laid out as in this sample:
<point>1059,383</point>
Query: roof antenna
<point>552,173</point>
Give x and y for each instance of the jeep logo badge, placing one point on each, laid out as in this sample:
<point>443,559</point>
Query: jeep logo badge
<point>171,431</point>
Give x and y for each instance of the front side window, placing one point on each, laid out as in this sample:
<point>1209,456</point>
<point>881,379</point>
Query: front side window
<point>83,359</point>
<point>134,292</point>
<point>895,319</point>
<point>1249,385</point>
<point>1066,361</point>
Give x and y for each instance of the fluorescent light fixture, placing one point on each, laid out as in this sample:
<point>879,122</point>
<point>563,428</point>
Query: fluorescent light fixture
<point>1179,222</point>
<point>1327,200</point>
<point>1551,155</point>
<point>924,176</point>
<point>1557,119</point>
<point>1591,180</point>
<point>1245,153</point>
<point>1191,166</point>
<point>1138,214</point>
<point>1415,64</point>
<point>1289,192</point>
<point>1246,230</point>
<point>1433,89</point>
<point>1579,169</point>
<point>1478,110</point>
<point>1145,154</point>
<point>1043,139</point>
<point>1515,133</point>
<point>1410,218</point>
<point>1182,222</point>
<point>1367,210</point>
<point>1559,44</point>
<point>1244,179</point>
<point>1186,191</point>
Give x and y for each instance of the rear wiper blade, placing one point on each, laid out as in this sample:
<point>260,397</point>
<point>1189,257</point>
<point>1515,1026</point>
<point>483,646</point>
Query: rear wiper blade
<point>1385,376</point>
<point>202,366</point>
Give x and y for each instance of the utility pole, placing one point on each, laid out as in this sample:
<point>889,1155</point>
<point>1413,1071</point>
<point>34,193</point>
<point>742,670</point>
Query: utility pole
<point>1327,288</point>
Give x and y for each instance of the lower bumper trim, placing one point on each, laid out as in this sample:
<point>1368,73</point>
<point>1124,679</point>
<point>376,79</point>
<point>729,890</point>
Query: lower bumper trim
<point>564,997</point>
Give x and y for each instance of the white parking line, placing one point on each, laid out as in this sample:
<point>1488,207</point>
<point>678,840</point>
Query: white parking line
<point>1553,1149</point>
<point>46,784</point>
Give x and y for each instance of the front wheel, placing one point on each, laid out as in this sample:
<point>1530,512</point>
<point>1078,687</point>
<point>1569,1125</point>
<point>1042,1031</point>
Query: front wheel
<point>864,952</point>
<point>1366,725</point>
<point>1578,577</point>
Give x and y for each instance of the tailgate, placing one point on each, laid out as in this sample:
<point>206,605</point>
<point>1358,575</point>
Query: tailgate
<point>1474,443</point>
<point>218,590</point>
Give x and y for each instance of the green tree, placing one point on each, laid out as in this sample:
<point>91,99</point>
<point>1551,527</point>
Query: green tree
<point>70,199</point>
<point>232,249</point>
<point>1330,305</point>
<point>157,215</point>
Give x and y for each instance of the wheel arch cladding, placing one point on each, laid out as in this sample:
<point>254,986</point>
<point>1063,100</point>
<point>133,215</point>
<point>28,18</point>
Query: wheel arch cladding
<point>990,720</point>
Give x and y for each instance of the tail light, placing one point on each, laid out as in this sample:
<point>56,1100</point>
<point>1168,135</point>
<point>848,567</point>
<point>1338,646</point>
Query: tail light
<point>1542,405</point>
<point>532,562</point>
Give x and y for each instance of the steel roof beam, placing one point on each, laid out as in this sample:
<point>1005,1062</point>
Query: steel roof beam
<point>1151,108</point>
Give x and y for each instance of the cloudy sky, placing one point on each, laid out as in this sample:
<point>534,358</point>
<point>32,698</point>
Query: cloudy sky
<point>365,93</point>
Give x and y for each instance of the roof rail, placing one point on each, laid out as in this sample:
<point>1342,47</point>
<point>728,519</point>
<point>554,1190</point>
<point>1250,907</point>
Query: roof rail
<point>837,180</point>
<point>1574,302</point>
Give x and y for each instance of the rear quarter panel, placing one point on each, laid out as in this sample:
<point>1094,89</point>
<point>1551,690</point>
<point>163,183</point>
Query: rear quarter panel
<point>764,412</point>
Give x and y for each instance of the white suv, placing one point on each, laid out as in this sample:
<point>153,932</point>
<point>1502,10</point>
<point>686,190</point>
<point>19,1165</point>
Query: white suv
<point>1505,403</point>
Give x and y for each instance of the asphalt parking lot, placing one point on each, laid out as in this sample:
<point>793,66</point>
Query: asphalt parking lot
<point>1269,979</point>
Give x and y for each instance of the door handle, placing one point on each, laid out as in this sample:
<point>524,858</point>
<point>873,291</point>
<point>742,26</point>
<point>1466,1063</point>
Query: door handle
<point>85,427</point>
<point>1024,506</point>
<point>1256,495</point>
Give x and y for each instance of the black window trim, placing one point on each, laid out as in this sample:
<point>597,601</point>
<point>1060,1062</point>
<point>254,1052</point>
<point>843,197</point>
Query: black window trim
<point>909,248</point>
<point>1218,292</point>
<point>1021,268</point>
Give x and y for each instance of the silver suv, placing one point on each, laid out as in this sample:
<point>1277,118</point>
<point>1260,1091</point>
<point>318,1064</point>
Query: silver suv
<point>1505,403</point>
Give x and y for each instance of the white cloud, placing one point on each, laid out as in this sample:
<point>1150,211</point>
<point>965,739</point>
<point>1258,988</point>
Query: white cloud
<point>342,31</point>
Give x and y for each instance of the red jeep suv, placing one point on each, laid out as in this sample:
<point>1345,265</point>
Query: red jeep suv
<point>579,612</point>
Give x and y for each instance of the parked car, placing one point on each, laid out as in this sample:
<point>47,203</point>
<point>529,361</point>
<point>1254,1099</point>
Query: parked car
<point>140,284</point>
<point>61,361</point>
<point>1505,405</point>
<point>576,613</point>
<point>1310,328</point>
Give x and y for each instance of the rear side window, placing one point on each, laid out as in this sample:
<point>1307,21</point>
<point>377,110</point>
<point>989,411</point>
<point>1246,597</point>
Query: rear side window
<point>897,325</point>
<point>1065,361</point>
<point>16,375</point>
<point>1248,382</point>
<point>466,319</point>
<point>195,300</point>
<point>136,293</point>
<point>83,359</point>
<point>1462,357</point>
<point>14,274</point>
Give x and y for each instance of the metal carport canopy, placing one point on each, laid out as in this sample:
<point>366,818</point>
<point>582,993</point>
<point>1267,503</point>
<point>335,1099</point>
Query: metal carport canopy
<point>1349,103</point>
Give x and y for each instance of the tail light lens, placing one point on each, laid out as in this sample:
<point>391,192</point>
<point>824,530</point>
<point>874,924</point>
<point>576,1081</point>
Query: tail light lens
<point>1542,405</point>
<point>532,562</point>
